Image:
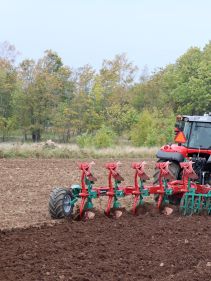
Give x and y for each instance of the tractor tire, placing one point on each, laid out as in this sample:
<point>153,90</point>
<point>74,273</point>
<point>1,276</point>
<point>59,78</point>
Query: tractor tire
<point>59,200</point>
<point>174,169</point>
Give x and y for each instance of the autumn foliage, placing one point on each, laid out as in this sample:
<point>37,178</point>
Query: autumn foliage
<point>46,99</point>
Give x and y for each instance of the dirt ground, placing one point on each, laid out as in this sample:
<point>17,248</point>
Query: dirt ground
<point>25,186</point>
<point>146,247</point>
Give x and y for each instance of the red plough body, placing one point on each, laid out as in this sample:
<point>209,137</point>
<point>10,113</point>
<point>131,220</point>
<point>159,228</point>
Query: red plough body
<point>114,190</point>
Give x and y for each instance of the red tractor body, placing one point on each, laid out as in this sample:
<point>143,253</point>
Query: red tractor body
<point>195,135</point>
<point>184,151</point>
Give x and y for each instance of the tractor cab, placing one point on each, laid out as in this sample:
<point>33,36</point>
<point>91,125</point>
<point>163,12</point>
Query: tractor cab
<point>195,130</point>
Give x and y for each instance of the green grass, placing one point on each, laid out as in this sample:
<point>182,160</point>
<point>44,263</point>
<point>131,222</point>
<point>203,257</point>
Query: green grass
<point>70,151</point>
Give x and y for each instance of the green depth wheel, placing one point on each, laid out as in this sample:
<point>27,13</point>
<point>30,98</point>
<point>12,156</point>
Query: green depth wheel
<point>182,208</point>
<point>198,205</point>
<point>208,205</point>
<point>187,205</point>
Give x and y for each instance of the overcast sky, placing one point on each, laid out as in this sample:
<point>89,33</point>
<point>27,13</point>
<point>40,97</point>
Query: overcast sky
<point>151,32</point>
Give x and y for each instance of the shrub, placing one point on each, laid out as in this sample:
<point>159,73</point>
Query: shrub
<point>104,137</point>
<point>84,140</point>
<point>140,131</point>
<point>153,128</point>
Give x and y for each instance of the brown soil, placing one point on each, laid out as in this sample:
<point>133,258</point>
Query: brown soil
<point>25,186</point>
<point>146,247</point>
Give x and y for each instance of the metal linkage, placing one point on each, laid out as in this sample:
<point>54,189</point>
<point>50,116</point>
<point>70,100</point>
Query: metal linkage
<point>114,190</point>
<point>193,197</point>
<point>164,190</point>
<point>139,192</point>
<point>87,193</point>
<point>198,197</point>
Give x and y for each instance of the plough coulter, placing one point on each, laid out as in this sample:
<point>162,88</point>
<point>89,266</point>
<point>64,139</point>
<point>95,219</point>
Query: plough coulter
<point>193,197</point>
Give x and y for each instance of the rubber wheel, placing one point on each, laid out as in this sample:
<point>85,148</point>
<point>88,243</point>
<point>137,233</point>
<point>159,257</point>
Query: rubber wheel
<point>59,203</point>
<point>174,169</point>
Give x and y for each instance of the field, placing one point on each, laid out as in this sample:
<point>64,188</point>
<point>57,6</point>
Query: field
<point>147,247</point>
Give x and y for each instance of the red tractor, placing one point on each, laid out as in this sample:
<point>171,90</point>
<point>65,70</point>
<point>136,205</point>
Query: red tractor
<point>193,135</point>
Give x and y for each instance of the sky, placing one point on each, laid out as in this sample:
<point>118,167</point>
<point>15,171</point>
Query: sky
<point>153,33</point>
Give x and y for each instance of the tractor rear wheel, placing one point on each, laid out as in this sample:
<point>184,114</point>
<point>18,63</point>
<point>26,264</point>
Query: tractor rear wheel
<point>60,203</point>
<point>174,169</point>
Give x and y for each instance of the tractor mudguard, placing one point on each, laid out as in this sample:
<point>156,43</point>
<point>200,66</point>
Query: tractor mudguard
<point>171,156</point>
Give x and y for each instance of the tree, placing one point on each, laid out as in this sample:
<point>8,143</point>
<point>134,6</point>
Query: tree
<point>8,52</point>
<point>117,76</point>
<point>121,118</point>
<point>8,85</point>
<point>44,85</point>
<point>84,79</point>
<point>154,127</point>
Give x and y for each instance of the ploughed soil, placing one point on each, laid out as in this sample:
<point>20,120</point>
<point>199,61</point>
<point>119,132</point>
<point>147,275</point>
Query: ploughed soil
<point>150,246</point>
<point>25,186</point>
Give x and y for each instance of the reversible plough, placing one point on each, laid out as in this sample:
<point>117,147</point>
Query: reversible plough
<point>193,198</point>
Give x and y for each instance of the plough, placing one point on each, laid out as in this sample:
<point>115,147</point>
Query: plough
<point>192,197</point>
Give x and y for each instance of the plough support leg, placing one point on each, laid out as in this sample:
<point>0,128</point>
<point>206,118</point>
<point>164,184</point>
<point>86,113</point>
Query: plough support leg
<point>135,205</point>
<point>82,205</point>
<point>108,209</point>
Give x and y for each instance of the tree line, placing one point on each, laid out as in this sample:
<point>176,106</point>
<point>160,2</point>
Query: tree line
<point>99,107</point>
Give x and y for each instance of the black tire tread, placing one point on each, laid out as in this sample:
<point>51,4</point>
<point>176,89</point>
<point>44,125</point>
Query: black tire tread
<point>55,206</point>
<point>174,169</point>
